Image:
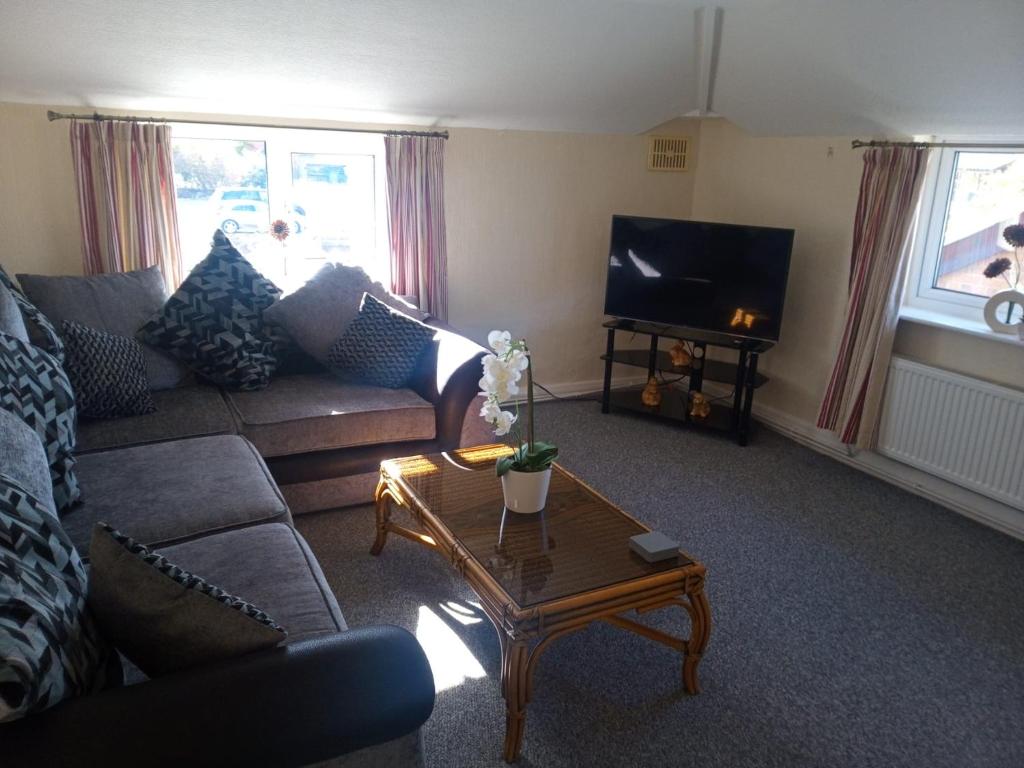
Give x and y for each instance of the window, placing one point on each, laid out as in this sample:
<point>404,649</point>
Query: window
<point>327,186</point>
<point>970,197</point>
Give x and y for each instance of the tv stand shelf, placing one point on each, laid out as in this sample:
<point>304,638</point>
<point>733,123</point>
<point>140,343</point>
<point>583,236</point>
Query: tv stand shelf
<point>714,370</point>
<point>730,416</point>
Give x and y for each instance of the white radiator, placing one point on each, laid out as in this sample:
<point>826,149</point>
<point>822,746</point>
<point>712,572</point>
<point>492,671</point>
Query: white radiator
<point>963,430</point>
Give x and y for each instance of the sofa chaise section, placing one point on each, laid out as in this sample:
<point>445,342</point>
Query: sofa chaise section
<point>163,493</point>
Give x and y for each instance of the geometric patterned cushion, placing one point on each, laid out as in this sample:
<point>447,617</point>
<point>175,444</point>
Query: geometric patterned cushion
<point>380,347</point>
<point>50,340</point>
<point>213,322</point>
<point>50,649</point>
<point>107,373</point>
<point>34,387</point>
<point>163,618</point>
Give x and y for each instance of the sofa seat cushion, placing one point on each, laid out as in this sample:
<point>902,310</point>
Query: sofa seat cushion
<point>183,412</point>
<point>169,492</point>
<point>270,566</point>
<point>316,412</point>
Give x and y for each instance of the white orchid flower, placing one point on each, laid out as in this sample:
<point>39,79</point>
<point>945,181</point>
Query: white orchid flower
<point>499,341</point>
<point>491,411</point>
<point>504,423</point>
<point>518,360</point>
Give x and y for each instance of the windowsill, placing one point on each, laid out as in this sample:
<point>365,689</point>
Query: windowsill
<point>976,328</point>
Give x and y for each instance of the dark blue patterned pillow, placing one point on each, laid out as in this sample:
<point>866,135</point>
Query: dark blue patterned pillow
<point>50,649</point>
<point>107,372</point>
<point>380,347</point>
<point>34,387</point>
<point>164,618</point>
<point>214,321</point>
<point>50,340</point>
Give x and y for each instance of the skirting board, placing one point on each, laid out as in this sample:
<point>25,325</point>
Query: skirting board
<point>975,506</point>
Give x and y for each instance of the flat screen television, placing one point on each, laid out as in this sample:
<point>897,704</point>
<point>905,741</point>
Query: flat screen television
<point>725,278</point>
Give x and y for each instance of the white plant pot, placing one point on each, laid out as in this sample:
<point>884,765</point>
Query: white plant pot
<point>526,492</point>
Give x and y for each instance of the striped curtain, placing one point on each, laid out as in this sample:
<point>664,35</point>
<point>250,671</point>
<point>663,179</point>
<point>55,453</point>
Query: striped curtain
<point>126,204</point>
<point>890,188</point>
<point>419,256</point>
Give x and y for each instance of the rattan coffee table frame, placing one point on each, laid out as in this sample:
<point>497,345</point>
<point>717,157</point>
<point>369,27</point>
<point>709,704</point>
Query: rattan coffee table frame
<point>525,633</point>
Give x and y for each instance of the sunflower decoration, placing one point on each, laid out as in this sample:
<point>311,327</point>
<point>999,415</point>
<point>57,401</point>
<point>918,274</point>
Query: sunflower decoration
<point>279,230</point>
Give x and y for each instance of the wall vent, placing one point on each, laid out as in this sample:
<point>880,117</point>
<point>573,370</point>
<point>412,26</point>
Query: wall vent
<point>667,153</point>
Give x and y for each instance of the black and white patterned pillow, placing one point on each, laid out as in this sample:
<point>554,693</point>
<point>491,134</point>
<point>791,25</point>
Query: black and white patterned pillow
<point>164,618</point>
<point>50,340</point>
<point>34,387</point>
<point>107,373</point>
<point>213,322</point>
<point>50,649</point>
<point>381,346</point>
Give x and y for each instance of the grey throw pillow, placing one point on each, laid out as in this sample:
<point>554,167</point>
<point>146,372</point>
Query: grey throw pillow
<point>380,347</point>
<point>50,649</point>
<point>163,618</point>
<point>118,302</point>
<point>107,373</point>
<point>317,314</point>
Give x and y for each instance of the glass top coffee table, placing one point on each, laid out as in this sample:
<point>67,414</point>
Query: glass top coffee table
<point>539,576</point>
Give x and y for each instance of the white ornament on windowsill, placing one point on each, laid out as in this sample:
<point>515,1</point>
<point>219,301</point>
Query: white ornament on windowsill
<point>992,311</point>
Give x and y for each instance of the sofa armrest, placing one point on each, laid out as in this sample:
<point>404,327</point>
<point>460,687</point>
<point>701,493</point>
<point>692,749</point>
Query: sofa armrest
<point>290,706</point>
<point>450,379</point>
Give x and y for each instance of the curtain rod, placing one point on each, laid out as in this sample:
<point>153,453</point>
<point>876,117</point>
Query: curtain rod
<point>51,116</point>
<point>857,144</point>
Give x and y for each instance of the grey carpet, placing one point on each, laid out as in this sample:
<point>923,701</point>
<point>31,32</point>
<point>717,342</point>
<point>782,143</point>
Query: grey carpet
<point>854,624</point>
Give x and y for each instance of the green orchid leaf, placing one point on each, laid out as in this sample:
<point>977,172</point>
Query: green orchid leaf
<point>504,464</point>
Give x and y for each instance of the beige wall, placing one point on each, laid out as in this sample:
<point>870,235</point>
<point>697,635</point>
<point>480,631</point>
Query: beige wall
<point>39,229</point>
<point>796,183</point>
<point>528,220</point>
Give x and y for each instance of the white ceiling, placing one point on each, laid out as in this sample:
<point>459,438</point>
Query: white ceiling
<point>785,67</point>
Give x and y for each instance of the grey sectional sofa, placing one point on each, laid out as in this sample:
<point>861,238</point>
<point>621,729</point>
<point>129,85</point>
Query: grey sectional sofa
<point>211,480</point>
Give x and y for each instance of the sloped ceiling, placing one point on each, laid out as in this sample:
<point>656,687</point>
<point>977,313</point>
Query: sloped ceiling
<point>785,67</point>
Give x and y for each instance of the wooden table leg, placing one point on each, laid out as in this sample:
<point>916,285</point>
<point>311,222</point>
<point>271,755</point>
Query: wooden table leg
<point>514,666</point>
<point>383,516</point>
<point>700,618</point>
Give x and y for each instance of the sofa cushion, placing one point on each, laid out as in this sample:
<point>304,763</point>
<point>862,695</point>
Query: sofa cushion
<point>34,387</point>
<point>183,412</point>
<point>11,321</point>
<point>118,302</point>
<point>317,314</point>
<point>168,492</point>
<point>41,330</point>
<point>50,649</point>
<point>163,617</point>
<point>381,346</point>
<point>272,567</point>
<point>317,412</point>
<point>213,322</point>
<point>107,372</point>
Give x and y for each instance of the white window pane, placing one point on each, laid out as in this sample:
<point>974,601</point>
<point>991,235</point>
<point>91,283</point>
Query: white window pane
<point>220,183</point>
<point>986,196</point>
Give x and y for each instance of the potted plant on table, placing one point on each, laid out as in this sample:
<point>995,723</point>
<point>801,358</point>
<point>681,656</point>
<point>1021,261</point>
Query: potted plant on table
<point>526,473</point>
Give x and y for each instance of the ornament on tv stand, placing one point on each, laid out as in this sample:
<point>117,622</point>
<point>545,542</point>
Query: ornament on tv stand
<point>680,357</point>
<point>651,396</point>
<point>700,406</point>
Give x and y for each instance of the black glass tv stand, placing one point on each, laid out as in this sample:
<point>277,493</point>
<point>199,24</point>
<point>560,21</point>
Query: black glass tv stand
<point>728,414</point>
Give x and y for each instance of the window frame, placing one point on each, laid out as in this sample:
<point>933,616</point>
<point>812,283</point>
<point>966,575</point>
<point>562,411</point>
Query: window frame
<point>921,297</point>
<point>281,142</point>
